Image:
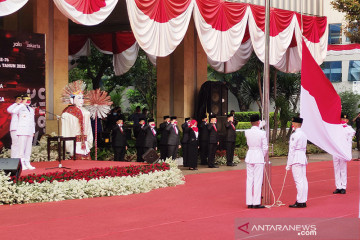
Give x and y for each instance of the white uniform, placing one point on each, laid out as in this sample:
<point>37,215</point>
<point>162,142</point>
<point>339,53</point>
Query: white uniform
<point>13,127</point>
<point>340,165</point>
<point>25,132</point>
<point>257,142</point>
<point>297,161</point>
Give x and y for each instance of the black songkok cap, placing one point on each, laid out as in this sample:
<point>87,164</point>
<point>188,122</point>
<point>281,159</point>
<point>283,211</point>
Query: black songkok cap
<point>141,119</point>
<point>151,120</point>
<point>165,117</point>
<point>297,120</point>
<point>212,116</point>
<point>230,115</point>
<point>254,118</point>
<point>173,118</point>
<point>187,119</point>
<point>344,115</point>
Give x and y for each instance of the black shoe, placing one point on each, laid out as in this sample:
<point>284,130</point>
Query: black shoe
<point>337,191</point>
<point>193,168</point>
<point>231,164</point>
<point>343,191</point>
<point>250,206</point>
<point>258,206</point>
<point>298,205</point>
<point>214,166</point>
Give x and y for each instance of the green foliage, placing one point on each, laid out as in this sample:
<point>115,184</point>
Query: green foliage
<point>116,96</point>
<point>244,120</point>
<point>349,104</point>
<point>103,154</point>
<point>240,139</point>
<point>243,125</point>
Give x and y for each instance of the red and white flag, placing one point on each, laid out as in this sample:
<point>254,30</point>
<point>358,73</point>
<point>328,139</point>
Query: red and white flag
<point>320,107</point>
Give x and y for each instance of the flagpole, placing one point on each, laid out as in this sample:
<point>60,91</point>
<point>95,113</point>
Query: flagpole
<point>266,97</point>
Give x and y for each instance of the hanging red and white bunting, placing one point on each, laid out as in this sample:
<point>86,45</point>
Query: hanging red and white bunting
<point>343,49</point>
<point>159,26</point>
<point>86,12</point>
<point>8,7</point>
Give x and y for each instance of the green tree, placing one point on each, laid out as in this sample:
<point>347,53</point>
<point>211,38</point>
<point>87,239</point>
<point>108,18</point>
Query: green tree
<point>349,103</point>
<point>351,8</point>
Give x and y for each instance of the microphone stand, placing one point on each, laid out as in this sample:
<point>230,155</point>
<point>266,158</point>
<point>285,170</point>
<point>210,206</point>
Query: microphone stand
<point>58,137</point>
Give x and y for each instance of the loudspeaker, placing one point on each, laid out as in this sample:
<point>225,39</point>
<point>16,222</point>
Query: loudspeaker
<point>218,101</point>
<point>11,165</point>
<point>150,156</point>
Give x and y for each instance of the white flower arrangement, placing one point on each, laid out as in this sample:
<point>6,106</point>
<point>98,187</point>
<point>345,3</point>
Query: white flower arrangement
<point>222,160</point>
<point>11,193</point>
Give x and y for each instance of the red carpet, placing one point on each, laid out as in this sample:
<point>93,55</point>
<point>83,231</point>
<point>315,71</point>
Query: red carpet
<point>43,167</point>
<point>204,208</point>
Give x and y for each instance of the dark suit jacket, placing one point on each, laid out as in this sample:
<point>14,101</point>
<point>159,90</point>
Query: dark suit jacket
<point>118,138</point>
<point>173,138</point>
<point>186,129</point>
<point>213,134</point>
<point>193,140</point>
<point>164,133</point>
<point>150,140</point>
<point>203,132</point>
<point>230,133</point>
<point>139,135</point>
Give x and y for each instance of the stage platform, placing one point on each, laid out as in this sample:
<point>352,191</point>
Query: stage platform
<point>47,167</point>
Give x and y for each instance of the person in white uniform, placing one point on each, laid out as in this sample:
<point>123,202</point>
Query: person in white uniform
<point>340,165</point>
<point>13,127</point>
<point>297,162</point>
<point>25,130</point>
<point>258,147</point>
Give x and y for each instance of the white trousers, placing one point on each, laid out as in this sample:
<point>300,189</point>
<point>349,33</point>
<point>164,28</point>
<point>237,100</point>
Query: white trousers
<point>25,145</point>
<point>340,169</point>
<point>299,174</point>
<point>14,144</point>
<point>254,179</point>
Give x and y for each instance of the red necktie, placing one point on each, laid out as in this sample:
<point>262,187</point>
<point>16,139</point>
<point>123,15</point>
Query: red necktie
<point>175,130</point>
<point>121,129</point>
<point>232,125</point>
<point>153,131</point>
<point>215,127</point>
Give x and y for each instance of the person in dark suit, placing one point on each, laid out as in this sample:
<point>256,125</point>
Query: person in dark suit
<point>173,141</point>
<point>235,121</point>
<point>204,141</point>
<point>230,139</point>
<point>150,140</point>
<point>184,141</point>
<point>119,141</point>
<point>213,141</point>
<point>139,135</point>
<point>193,145</point>
<point>163,137</point>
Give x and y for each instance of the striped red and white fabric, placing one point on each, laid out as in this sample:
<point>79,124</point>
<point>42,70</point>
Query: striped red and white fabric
<point>122,45</point>
<point>8,7</point>
<point>86,12</point>
<point>320,107</point>
<point>159,25</point>
<point>343,49</point>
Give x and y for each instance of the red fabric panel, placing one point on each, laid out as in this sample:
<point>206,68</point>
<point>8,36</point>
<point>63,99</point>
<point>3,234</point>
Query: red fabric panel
<point>246,35</point>
<point>221,15</point>
<point>315,82</point>
<point>2,0</point>
<point>259,16</point>
<point>314,27</point>
<point>293,42</point>
<point>334,47</point>
<point>76,42</point>
<point>104,41</point>
<point>87,6</point>
<point>124,40</point>
<point>162,10</point>
<point>279,20</point>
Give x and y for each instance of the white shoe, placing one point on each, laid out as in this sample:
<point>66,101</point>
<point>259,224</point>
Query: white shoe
<point>23,167</point>
<point>30,167</point>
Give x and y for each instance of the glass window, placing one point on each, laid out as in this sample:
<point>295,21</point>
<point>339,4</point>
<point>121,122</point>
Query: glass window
<point>354,70</point>
<point>334,33</point>
<point>332,70</point>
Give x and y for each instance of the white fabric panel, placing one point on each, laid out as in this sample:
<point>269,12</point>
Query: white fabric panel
<point>290,62</point>
<point>236,62</point>
<point>84,51</point>
<point>343,52</point>
<point>158,39</point>
<point>152,59</point>
<point>329,137</point>
<point>86,19</point>
<point>125,60</point>
<point>10,6</point>
<point>220,45</point>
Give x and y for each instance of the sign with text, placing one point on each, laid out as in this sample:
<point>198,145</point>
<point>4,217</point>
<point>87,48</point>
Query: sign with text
<point>22,70</point>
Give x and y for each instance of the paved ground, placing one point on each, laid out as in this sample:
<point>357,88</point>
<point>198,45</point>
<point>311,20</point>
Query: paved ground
<point>275,161</point>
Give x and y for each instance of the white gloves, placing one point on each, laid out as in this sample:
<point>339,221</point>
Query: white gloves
<point>287,168</point>
<point>262,123</point>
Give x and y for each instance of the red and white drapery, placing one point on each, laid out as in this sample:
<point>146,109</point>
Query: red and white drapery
<point>8,7</point>
<point>348,49</point>
<point>86,12</point>
<point>122,45</point>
